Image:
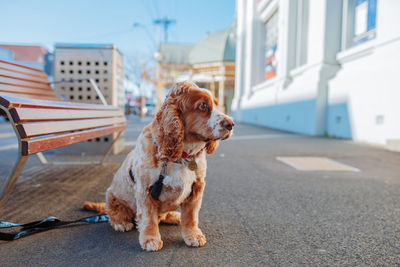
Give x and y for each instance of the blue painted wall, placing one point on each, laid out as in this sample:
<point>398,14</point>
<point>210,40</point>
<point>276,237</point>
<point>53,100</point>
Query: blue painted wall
<point>296,117</point>
<point>338,121</point>
<point>300,117</point>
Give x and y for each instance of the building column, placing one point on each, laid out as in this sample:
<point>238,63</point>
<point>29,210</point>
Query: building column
<point>249,47</point>
<point>212,86</point>
<point>239,64</point>
<point>190,74</point>
<point>159,87</point>
<point>221,89</point>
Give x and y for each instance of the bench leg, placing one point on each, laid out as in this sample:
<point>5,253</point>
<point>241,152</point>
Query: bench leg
<point>110,148</point>
<point>42,158</point>
<point>12,179</point>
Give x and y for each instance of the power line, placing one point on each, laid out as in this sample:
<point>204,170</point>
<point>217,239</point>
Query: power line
<point>148,9</point>
<point>106,34</point>
<point>156,8</point>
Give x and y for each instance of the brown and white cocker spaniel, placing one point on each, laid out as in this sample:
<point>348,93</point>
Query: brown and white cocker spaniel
<point>166,170</point>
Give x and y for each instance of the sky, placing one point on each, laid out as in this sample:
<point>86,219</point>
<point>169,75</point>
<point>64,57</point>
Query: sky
<point>47,22</point>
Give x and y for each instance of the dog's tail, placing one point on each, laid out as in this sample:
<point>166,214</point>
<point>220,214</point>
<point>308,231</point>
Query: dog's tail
<point>100,207</point>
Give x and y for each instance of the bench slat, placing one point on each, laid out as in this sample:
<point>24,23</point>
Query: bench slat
<point>28,130</point>
<point>42,144</point>
<point>23,76</point>
<point>21,69</point>
<point>10,102</point>
<point>30,84</point>
<point>40,97</point>
<point>35,114</point>
<point>25,90</point>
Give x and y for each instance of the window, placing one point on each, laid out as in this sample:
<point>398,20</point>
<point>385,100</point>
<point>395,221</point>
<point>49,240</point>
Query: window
<point>271,45</point>
<point>359,22</point>
<point>301,33</point>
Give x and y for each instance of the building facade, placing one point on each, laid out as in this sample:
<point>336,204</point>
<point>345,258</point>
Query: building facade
<point>209,63</point>
<point>320,67</point>
<point>34,56</point>
<point>101,62</point>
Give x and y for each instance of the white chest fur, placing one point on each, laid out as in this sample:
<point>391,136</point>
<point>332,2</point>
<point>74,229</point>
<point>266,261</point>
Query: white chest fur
<point>177,185</point>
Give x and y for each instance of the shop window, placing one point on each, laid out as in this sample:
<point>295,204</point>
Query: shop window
<point>359,22</point>
<point>271,46</point>
<point>301,32</point>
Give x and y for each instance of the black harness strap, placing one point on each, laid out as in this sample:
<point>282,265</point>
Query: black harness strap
<point>157,187</point>
<point>131,175</point>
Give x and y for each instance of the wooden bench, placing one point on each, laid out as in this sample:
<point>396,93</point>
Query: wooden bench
<point>42,122</point>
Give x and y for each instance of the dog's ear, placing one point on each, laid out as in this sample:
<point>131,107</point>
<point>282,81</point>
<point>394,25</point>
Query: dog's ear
<point>168,126</point>
<point>211,146</point>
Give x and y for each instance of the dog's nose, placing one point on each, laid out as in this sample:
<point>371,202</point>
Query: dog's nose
<point>228,124</point>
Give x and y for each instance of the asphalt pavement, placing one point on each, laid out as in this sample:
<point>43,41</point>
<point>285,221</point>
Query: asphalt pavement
<point>256,210</point>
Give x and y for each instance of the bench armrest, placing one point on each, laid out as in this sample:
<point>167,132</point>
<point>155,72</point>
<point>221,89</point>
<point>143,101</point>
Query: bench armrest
<point>92,82</point>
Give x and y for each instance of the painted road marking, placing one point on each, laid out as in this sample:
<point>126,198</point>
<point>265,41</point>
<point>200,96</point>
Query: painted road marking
<point>7,147</point>
<point>258,136</point>
<point>130,143</point>
<point>5,135</point>
<point>316,164</point>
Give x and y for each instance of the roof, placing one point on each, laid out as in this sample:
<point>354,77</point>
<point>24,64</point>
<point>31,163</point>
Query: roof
<point>72,45</point>
<point>175,53</point>
<point>27,53</point>
<point>216,47</point>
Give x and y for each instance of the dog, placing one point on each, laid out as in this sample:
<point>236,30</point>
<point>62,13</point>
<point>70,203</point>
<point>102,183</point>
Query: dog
<point>166,169</point>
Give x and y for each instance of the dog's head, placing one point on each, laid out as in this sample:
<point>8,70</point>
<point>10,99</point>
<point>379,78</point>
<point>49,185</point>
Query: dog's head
<point>189,114</point>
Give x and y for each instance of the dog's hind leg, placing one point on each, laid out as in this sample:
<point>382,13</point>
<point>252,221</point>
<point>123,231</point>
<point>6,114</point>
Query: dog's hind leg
<point>171,217</point>
<point>120,214</point>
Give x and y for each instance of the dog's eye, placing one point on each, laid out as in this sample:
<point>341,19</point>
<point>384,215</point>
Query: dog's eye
<point>203,107</point>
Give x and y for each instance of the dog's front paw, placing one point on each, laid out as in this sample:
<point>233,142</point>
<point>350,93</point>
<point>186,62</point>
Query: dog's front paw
<point>194,238</point>
<point>152,243</point>
<point>121,227</point>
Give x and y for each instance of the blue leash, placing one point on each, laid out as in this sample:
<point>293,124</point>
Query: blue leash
<point>44,225</point>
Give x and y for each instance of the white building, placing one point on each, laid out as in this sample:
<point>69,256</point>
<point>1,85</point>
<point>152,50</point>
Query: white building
<point>320,67</point>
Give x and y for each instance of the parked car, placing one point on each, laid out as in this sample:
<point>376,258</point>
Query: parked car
<point>149,109</point>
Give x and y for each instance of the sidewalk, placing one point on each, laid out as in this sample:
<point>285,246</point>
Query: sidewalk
<point>257,210</point>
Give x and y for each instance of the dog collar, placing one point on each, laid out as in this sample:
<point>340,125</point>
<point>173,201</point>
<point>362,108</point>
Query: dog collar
<point>185,158</point>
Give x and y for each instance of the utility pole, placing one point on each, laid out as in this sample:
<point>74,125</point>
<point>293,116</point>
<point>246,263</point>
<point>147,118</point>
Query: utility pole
<point>166,22</point>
